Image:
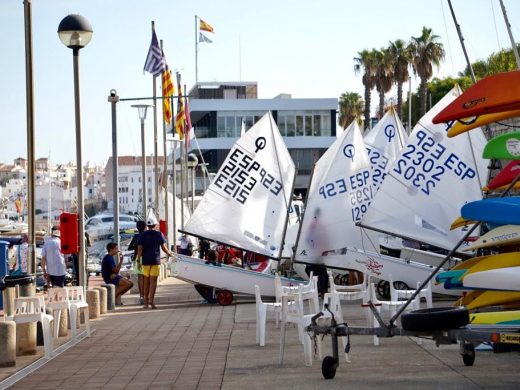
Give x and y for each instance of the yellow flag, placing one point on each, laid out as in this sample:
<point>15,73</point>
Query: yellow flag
<point>205,26</point>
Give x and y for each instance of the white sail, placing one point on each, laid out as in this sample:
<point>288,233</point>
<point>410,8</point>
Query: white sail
<point>339,194</point>
<point>430,181</point>
<point>384,143</point>
<point>246,204</point>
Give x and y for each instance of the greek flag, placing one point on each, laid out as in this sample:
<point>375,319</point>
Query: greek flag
<point>155,61</point>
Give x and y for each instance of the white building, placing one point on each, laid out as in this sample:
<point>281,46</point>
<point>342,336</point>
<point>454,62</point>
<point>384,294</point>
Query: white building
<point>130,184</point>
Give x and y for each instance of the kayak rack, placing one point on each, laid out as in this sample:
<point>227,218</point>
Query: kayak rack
<point>504,338</point>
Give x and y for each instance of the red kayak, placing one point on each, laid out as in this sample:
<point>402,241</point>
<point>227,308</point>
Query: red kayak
<point>505,176</point>
<point>492,94</point>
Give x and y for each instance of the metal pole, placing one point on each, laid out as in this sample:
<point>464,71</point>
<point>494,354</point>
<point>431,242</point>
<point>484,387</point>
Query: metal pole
<point>196,55</point>
<point>143,171</point>
<point>174,191</point>
<point>79,172</point>
<point>461,38</point>
<point>165,168</point>
<point>29,102</point>
<point>409,106</point>
<point>193,188</point>
<point>155,149</point>
<point>113,99</point>
<point>513,43</point>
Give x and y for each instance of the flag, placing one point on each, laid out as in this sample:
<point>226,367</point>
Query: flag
<point>180,119</point>
<point>203,38</point>
<point>187,126</point>
<point>205,26</point>
<point>155,61</point>
<point>167,90</point>
<point>18,205</point>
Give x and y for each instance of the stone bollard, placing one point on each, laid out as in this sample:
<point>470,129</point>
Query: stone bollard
<point>163,271</point>
<point>64,323</point>
<point>111,296</point>
<point>93,304</point>
<point>102,299</point>
<point>7,343</point>
<point>26,339</point>
<point>135,280</point>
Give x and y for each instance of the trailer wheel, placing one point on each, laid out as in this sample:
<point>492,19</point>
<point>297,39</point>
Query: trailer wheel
<point>383,289</point>
<point>328,367</point>
<point>468,356</point>
<point>224,297</point>
<point>437,318</point>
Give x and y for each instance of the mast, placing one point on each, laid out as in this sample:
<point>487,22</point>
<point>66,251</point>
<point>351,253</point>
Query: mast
<point>461,38</point>
<point>513,43</point>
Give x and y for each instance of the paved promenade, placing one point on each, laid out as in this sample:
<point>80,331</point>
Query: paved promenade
<point>188,345</point>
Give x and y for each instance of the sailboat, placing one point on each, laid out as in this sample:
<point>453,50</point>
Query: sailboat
<point>246,207</point>
<point>421,195</point>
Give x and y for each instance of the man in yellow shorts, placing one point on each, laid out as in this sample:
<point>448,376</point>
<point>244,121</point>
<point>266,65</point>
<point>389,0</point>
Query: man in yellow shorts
<point>149,247</point>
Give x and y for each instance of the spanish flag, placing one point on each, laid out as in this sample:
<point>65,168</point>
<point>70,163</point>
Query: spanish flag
<point>168,90</point>
<point>180,119</point>
<point>205,26</point>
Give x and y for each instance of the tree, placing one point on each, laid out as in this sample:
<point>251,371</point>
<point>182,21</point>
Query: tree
<point>365,62</point>
<point>426,52</point>
<point>384,69</point>
<point>440,87</point>
<point>350,108</point>
<point>401,56</point>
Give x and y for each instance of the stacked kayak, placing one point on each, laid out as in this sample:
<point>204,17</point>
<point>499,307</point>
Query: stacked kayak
<point>491,280</point>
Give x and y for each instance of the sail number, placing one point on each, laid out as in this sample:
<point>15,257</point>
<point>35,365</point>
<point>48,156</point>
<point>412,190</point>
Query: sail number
<point>425,163</point>
<point>357,188</point>
<point>379,164</point>
<point>240,174</point>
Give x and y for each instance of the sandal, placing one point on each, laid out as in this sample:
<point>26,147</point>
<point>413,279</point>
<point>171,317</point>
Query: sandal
<point>152,305</point>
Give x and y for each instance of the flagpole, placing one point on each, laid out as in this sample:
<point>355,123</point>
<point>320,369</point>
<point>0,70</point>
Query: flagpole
<point>155,146</point>
<point>179,93</point>
<point>196,56</point>
<point>165,166</point>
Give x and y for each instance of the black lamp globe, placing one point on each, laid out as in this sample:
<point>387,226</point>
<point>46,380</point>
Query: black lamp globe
<point>75,31</point>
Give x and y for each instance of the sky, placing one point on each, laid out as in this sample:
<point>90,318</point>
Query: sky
<point>301,47</point>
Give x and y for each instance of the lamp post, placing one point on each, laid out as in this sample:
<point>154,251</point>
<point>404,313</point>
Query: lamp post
<point>141,109</point>
<point>75,32</point>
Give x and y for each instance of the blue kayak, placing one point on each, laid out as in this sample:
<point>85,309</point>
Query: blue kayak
<point>497,211</point>
<point>452,279</point>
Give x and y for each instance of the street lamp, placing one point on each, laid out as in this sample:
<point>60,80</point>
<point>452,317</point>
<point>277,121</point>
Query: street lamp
<point>141,109</point>
<point>75,32</point>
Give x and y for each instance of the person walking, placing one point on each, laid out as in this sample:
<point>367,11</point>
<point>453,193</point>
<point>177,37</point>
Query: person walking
<point>185,245</point>
<point>53,262</point>
<point>110,272</point>
<point>137,268</point>
<point>149,247</point>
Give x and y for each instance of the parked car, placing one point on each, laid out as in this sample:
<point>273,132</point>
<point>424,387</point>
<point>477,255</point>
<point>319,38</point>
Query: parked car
<point>101,226</point>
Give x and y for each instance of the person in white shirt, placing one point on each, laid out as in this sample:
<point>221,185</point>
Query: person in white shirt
<point>53,262</point>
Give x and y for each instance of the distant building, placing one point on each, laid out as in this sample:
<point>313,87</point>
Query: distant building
<point>129,182</point>
<point>308,126</point>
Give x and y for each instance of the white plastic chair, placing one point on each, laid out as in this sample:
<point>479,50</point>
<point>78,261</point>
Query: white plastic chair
<point>389,306</point>
<point>57,301</point>
<point>293,312</point>
<point>78,303</point>
<point>32,309</point>
<point>396,295</point>
<point>261,315</point>
<point>348,293</point>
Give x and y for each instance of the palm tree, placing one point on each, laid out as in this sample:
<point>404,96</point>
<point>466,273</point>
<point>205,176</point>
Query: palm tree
<point>401,57</point>
<point>383,76</point>
<point>350,108</point>
<point>427,50</point>
<point>365,62</point>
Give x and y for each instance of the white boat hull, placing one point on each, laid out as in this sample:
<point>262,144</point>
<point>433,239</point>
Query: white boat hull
<point>227,277</point>
<point>501,279</point>
<point>382,266</point>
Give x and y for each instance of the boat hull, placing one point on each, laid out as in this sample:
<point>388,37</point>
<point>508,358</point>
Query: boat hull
<point>227,277</point>
<point>501,279</point>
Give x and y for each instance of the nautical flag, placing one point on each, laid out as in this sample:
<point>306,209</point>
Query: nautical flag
<point>243,127</point>
<point>205,26</point>
<point>203,38</point>
<point>180,119</point>
<point>155,61</point>
<point>167,90</point>
<point>187,126</point>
